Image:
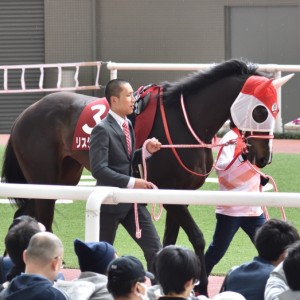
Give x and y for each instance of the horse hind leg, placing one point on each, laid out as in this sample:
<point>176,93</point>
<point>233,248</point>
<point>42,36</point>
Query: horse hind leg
<point>11,170</point>
<point>12,173</point>
<point>49,168</point>
<point>69,174</point>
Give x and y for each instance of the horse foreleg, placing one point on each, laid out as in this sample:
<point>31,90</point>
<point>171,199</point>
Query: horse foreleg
<point>179,216</point>
<point>44,212</point>
<point>171,231</point>
<point>36,208</point>
<point>27,209</point>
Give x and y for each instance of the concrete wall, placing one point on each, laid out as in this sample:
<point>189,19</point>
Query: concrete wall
<point>177,31</point>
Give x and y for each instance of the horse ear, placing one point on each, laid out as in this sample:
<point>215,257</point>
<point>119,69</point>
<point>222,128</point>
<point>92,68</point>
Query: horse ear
<point>279,82</point>
<point>261,89</point>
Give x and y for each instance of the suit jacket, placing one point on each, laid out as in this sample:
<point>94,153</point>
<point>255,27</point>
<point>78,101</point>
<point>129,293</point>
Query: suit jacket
<point>109,160</point>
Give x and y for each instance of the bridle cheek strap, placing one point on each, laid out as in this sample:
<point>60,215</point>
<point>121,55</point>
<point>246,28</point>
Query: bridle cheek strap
<point>241,146</point>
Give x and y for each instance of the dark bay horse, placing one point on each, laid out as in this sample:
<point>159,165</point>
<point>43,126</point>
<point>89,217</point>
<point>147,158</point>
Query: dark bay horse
<point>39,150</point>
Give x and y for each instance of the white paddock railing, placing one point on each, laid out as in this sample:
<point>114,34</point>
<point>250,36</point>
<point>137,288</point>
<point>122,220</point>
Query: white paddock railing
<point>96,196</point>
<point>275,69</point>
<point>74,68</point>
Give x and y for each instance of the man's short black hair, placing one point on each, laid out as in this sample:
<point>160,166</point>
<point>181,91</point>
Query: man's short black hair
<point>273,237</point>
<point>17,240</point>
<point>174,267</point>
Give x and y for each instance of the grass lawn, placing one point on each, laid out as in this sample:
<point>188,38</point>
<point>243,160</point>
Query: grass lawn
<point>70,218</point>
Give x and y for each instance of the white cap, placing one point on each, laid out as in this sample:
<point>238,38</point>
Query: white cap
<point>229,296</point>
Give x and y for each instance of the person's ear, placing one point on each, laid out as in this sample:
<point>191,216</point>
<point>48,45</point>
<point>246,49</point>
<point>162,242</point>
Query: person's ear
<point>113,99</point>
<point>189,283</point>
<point>135,289</point>
<point>141,288</point>
<point>55,264</point>
<point>281,257</point>
<point>188,287</point>
<point>24,256</point>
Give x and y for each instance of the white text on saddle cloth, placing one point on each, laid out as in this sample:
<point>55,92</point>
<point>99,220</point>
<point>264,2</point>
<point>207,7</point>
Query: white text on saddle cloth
<point>91,115</point>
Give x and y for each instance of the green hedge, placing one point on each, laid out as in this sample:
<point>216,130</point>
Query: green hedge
<point>287,136</point>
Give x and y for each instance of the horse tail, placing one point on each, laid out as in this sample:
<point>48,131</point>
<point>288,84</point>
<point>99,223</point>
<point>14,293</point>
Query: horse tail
<point>12,173</point>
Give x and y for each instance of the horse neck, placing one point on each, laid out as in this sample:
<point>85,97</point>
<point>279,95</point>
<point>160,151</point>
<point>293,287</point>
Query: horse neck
<point>209,109</point>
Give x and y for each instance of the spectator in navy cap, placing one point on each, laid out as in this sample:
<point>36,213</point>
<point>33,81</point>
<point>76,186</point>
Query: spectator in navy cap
<point>93,259</point>
<point>127,278</point>
<point>94,256</point>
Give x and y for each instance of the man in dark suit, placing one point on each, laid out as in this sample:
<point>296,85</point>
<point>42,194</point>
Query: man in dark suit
<point>111,161</point>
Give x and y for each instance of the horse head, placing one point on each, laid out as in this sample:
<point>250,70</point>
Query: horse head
<point>259,149</point>
<point>254,112</point>
<point>259,144</point>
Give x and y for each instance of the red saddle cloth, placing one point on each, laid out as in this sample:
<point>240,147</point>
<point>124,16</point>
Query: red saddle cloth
<point>145,119</point>
<point>97,110</point>
<point>91,115</point>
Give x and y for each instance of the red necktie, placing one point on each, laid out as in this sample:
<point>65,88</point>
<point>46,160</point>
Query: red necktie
<point>127,135</point>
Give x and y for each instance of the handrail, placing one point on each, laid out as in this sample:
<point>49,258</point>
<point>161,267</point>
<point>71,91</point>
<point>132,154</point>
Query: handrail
<point>272,68</point>
<point>95,196</point>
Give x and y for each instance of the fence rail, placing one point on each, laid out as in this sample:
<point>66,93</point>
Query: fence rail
<point>61,69</point>
<point>96,196</point>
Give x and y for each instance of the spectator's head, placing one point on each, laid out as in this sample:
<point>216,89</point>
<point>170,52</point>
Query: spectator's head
<point>272,239</point>
<point>177,270</point>
<point>126,278</point>
<point>291,267</point>
<point>94,256</point>
<point>17,240</point>
<point>25,218</point>
<point>44,255</point>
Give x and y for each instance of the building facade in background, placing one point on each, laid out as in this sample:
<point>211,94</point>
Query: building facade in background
<point>145,31</point>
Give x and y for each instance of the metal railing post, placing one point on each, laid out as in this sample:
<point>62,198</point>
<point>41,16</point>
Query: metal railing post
<point>92,212</point>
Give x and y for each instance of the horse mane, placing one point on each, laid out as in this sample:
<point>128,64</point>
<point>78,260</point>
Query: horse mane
<point>201,79</point>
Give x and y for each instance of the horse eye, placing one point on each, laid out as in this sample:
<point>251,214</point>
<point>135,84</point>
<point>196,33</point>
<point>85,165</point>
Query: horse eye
<point>260,114</point>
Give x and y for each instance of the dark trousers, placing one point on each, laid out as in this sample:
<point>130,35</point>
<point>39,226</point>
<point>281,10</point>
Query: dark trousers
<point>226,228</point>
<point>149,242</point>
